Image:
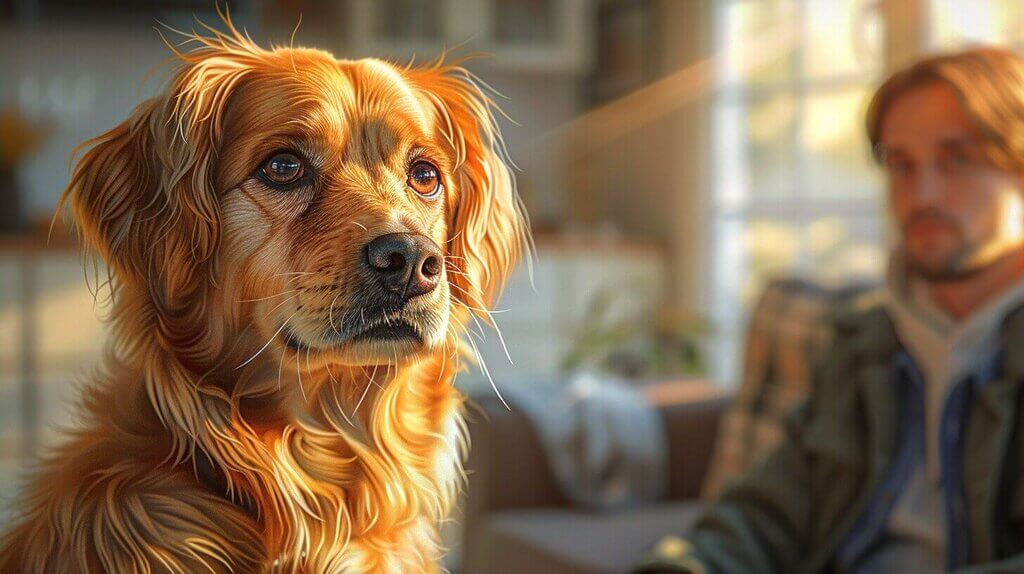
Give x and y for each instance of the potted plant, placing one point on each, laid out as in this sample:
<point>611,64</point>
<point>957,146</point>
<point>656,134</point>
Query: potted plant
<point>649,347</point>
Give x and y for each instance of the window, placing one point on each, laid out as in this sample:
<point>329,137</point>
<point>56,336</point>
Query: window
<point>952,23</point>
<point>794,189</point>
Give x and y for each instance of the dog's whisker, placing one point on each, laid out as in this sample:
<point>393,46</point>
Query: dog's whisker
<point>454,237</point>
<point>278,306</point>
<point>476,329</point>
<point>487,372</point>
<point>298,371</point>
<point>463,290</point>
<point>366,390</point>
<point>269,341</point>
<point>268,296</point>
<point>334,396</point>
<point>497,329</point>
<point>308,368</point>
<point>280,368</point>
<point>293,273</point>
<point>365,374</point>
<point>444,363</point>
<point>453,336</point>
<point>330,314</point>
<point>479,309</point>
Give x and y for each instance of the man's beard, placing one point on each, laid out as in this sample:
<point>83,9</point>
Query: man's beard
<point>956,265</point>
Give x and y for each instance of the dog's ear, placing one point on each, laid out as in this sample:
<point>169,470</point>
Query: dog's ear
<point>142,194</point>
<point>487,227</point>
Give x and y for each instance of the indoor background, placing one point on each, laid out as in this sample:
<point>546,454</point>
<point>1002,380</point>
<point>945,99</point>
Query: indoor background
<point>674,156</point>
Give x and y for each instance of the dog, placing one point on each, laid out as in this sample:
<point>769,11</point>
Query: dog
<point>294,245</point>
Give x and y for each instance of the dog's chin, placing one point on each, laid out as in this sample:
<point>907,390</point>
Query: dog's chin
<point>379,345</point>
<point>381,352</point>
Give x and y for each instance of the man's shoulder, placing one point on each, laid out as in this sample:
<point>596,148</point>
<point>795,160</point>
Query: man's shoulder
<point>863,319</point>
<point>864,310</point>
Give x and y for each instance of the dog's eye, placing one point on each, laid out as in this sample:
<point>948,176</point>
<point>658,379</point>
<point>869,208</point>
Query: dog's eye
<point>283,168</point>
<point>424,179</point>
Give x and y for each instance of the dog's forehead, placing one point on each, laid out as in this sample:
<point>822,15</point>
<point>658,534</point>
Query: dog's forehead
<point>382,91</point>
<point>318,94</point>
<point>342,92</point>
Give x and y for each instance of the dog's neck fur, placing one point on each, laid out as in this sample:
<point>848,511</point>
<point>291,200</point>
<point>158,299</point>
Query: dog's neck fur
<point>315,460</point>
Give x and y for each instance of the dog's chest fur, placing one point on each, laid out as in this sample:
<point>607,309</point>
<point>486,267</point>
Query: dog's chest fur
<point>367,500</point>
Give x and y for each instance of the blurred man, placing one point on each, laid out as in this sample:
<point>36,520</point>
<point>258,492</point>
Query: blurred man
<point>909,454</point>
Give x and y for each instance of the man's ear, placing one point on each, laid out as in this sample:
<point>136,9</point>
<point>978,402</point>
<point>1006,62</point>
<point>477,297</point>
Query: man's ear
<point>487,227</point>
<point>142,194</point>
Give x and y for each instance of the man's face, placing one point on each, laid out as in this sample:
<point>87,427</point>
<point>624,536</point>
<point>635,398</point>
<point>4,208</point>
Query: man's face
<point>954,210</point>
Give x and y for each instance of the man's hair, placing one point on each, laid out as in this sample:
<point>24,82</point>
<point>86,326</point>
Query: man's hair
<point>988,82</point>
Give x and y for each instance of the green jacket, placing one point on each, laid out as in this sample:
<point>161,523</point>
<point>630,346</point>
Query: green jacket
<point>789,513</point>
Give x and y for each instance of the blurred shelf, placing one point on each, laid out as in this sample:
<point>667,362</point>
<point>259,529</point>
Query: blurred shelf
<point>529,35</point>
<point>41,235</point>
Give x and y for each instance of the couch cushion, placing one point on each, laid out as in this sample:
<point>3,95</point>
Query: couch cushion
<point>566,541</point>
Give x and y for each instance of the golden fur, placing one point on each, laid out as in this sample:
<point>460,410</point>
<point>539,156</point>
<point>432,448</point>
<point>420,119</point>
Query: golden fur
<point>335,457</point>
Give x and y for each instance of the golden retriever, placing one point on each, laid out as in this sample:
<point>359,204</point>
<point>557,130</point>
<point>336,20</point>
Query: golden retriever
<point>295,244</point>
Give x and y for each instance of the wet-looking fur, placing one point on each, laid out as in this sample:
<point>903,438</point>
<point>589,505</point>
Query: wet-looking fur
<point>235,309</point>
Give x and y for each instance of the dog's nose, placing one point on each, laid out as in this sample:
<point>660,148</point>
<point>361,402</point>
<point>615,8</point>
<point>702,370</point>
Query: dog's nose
<point>407,264</point>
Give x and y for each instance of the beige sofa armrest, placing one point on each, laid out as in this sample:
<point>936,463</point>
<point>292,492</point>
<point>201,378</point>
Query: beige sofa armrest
<point>691,412</point>
<point>506,467</point>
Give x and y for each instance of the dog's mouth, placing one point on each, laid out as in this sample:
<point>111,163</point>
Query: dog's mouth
<point>384,331</point>
<point>390,332</point>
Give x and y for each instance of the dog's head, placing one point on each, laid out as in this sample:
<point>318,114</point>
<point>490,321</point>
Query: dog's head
<point>352,208</point>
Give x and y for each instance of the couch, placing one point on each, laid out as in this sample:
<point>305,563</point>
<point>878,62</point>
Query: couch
<point>516,520</point>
